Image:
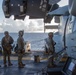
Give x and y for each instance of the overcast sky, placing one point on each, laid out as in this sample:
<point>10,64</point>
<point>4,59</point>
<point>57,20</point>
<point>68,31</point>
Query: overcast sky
<point>26,25</point>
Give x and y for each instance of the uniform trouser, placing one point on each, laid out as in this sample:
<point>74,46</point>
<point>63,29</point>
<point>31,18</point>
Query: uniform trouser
<point>6,54</point>
<point>20,55</point>
<point>51,60</point>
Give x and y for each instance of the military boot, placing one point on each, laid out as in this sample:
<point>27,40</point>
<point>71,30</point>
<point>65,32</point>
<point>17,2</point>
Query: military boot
<point>5,65</point>
<point>10,64</point>
<point>20,65</point>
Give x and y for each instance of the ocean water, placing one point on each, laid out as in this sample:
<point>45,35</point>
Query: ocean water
<point>36,40</point>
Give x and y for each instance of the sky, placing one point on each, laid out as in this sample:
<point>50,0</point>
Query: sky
<point>26,25</point>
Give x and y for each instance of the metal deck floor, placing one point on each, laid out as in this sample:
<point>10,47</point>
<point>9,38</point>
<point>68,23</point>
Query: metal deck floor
<point>30,68</point>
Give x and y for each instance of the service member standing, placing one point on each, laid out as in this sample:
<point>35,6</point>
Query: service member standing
<point>6,42</point>
<point>50,47</point>
<point>20,43</point>
<point>50,43</point>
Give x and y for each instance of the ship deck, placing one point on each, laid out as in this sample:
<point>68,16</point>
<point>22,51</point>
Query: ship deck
<point>31,67</point>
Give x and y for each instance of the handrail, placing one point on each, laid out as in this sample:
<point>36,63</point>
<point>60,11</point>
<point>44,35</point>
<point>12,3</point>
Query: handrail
<point>57,53</point>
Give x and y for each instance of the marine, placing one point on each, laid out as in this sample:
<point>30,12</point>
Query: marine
<point>6,43</point>
<point>20,43</point>
<point>50,47</point>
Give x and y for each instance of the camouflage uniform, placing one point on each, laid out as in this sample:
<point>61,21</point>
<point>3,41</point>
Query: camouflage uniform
<point>6,44</point>
<point>20,43</point>
<point>50,47</point>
